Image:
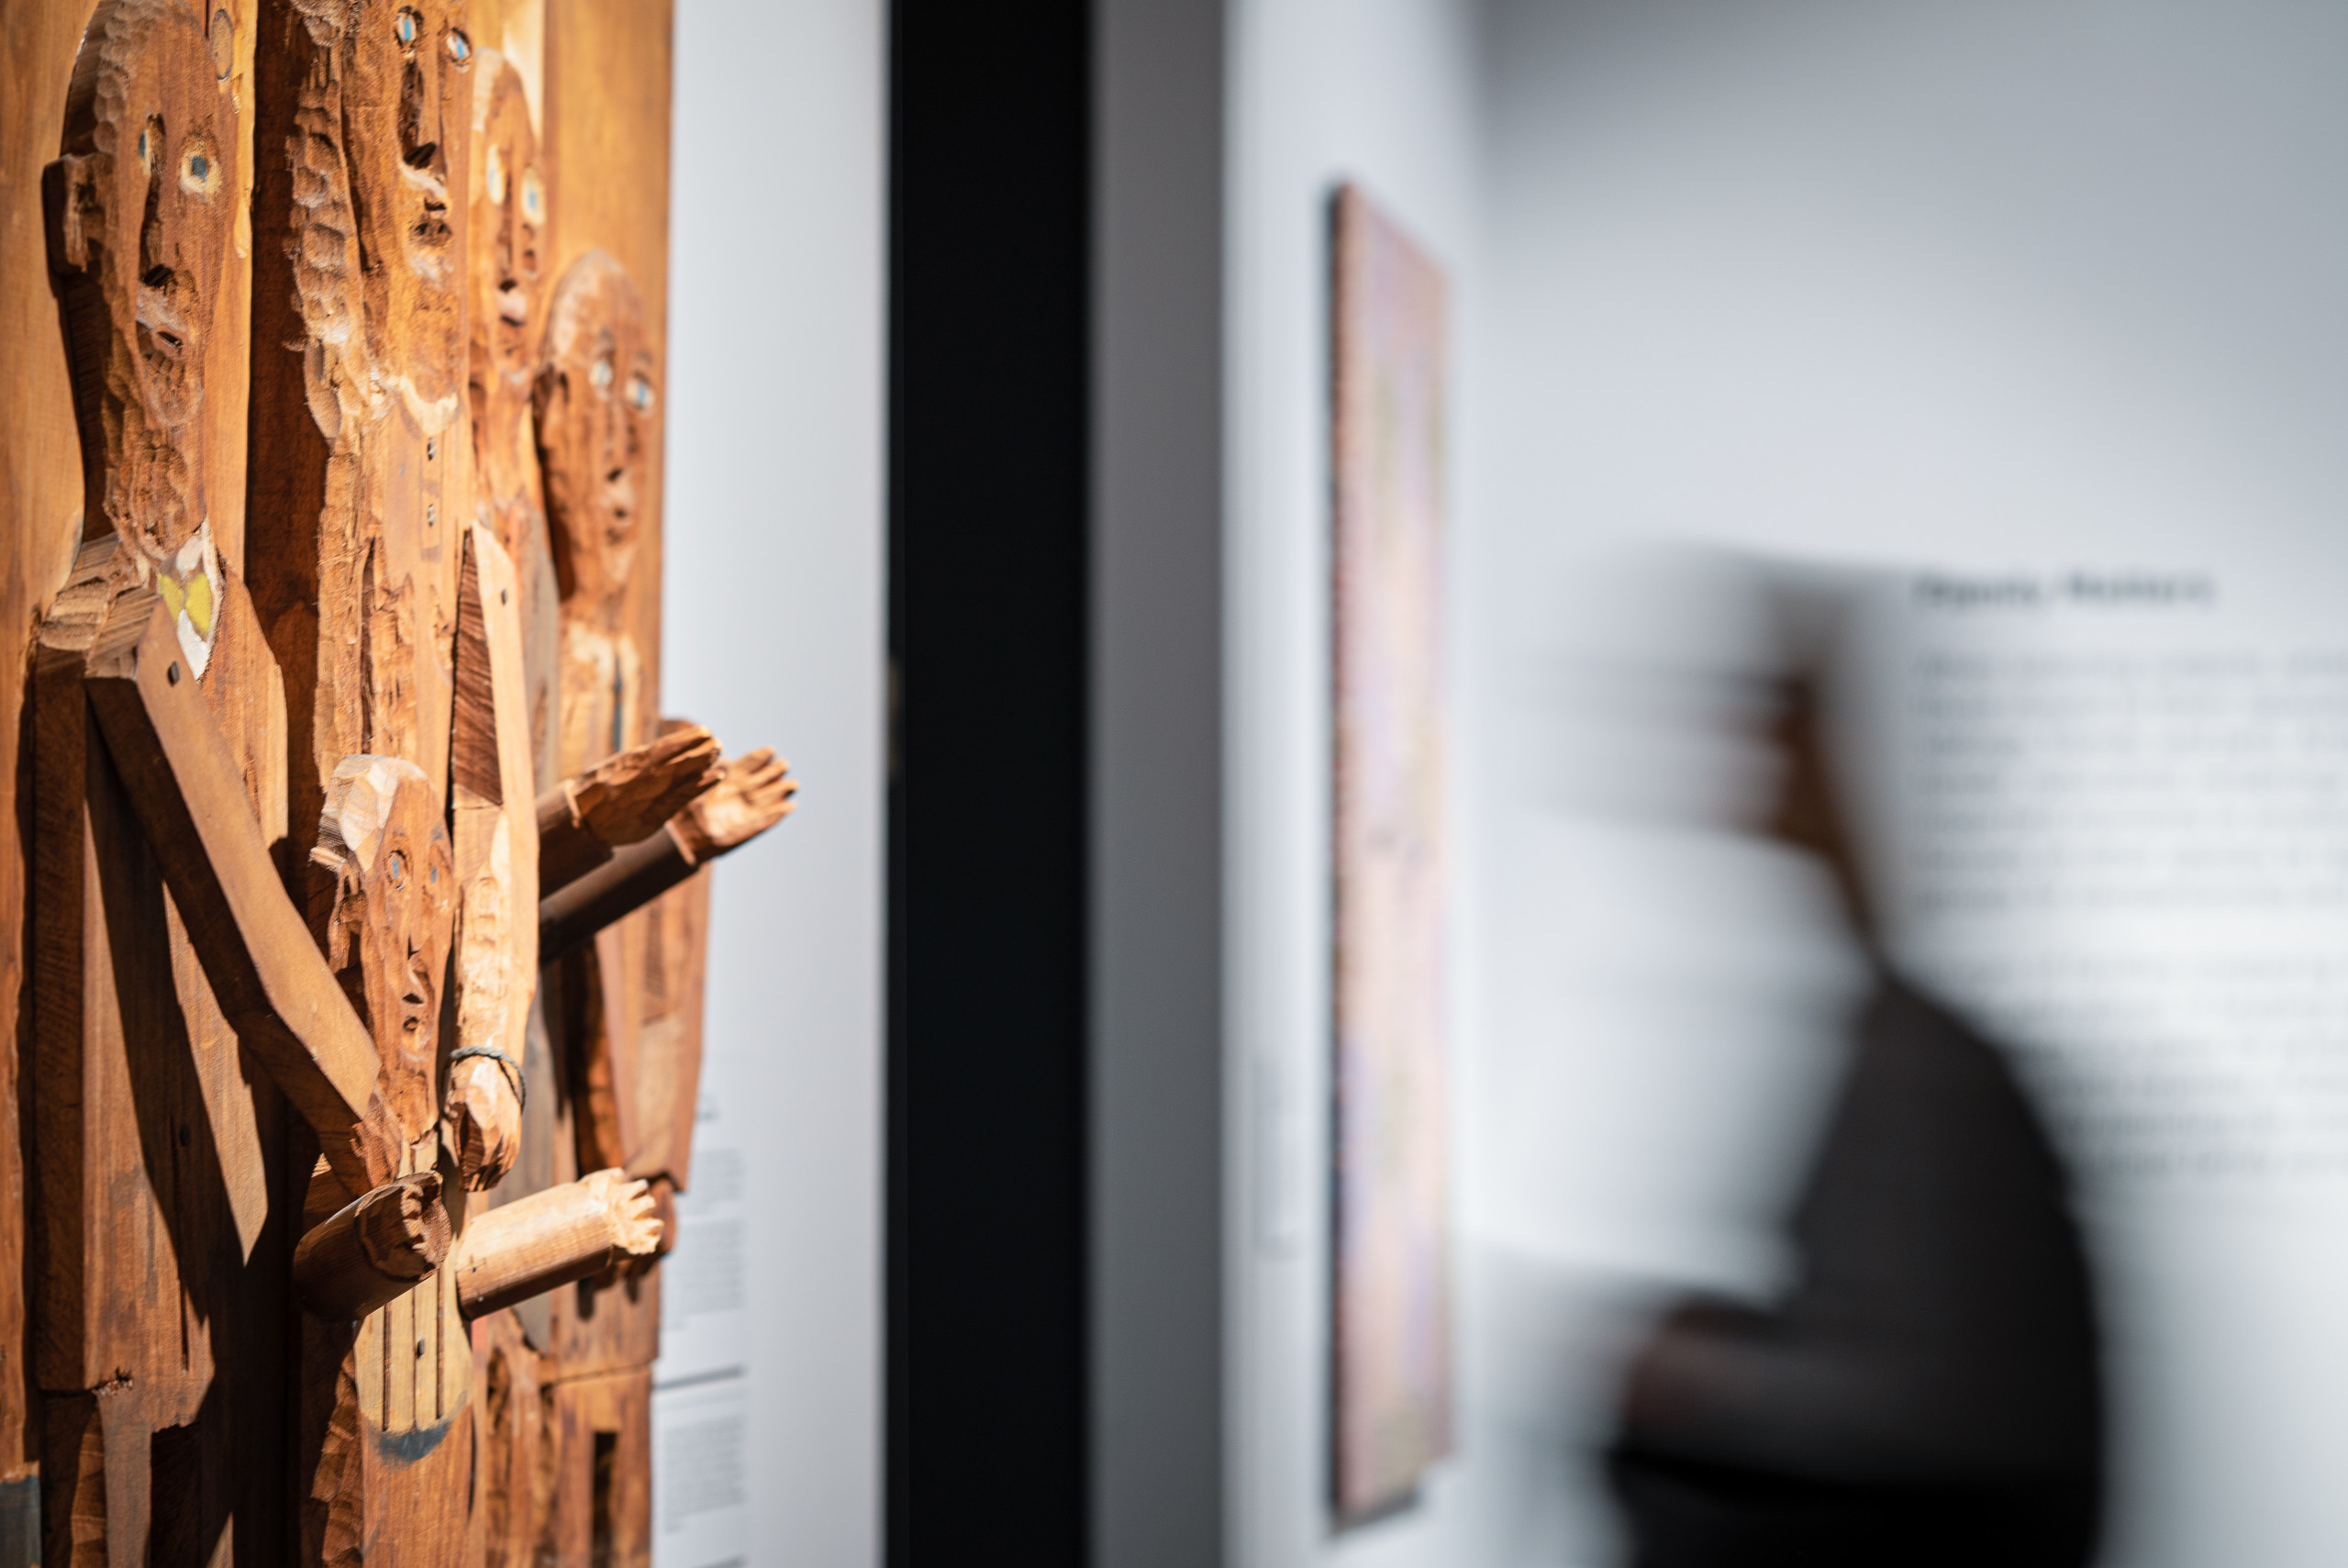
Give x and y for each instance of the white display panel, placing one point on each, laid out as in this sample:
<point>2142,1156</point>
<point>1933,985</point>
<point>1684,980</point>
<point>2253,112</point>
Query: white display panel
<point>2117,804</point>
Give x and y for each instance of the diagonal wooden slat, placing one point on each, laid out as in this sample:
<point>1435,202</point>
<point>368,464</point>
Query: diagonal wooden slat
<point>272,982</point>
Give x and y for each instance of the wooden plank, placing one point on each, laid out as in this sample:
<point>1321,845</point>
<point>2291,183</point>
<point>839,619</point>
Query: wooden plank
<point>183,783</point>
<point>668,1060</point>
<point>515,1479</point>
<point>76,1013</point>
<point>602,1490</point>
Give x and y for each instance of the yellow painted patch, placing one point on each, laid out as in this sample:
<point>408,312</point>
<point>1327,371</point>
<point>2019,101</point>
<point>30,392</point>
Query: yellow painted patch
<point>199,606</point>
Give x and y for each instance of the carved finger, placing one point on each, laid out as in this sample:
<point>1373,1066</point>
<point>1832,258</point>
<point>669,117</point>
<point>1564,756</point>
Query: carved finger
<point>758,792</point>
<point>664,1196</point>
<point>621,802</point>
<point>634,1212</point>
<point>624,798</point>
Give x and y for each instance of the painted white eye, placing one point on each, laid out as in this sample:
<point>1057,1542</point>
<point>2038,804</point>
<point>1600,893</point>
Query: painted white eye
<point>639,393</point>
<point>407,27</point>
<point>459,49</point>
<point>601,375</point>
<point>199,170</point>
<point>151,142</point>
<point>496,177</point>
<point>533,197</point>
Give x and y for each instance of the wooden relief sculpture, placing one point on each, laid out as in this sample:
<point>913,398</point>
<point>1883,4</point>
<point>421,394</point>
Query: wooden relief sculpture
<point>597,406</point>
<point>509,228</point>
<point>637,814</point>
<point>339,732</point>
<point>150,1143</point>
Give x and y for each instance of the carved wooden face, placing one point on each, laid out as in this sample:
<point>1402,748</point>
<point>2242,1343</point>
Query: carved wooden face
<point>598,404</point>
<point>407,100</point>
<point>395,911</point>
<point>508,215</point>
<point>142,214</point>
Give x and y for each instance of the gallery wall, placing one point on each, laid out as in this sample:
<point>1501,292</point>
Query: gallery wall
<point>2004,287</point>
<point>1385,92</point>
<point>2031,287</point>
<point>1981,287</point>
<point>767,1409</point>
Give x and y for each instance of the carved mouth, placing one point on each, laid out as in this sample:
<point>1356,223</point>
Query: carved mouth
<point>157,317</point>
<point>420,179</point>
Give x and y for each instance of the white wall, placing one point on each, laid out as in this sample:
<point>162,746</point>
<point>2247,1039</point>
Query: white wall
<point>2028,285</point>
<point>1384,91</point>
<point>2036,286</point>
<point>773,607</point>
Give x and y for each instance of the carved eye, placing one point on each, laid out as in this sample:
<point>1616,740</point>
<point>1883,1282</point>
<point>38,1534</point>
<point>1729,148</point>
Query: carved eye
<point>639,393</point>
<point>151,141</point>
<point>459,49</point>
<point>199,172</point>
<point>533,197</point>
<point>222,38</point>
<point>496,177</point>
<point>407,27</point>
<point>601,375</point>
<point>398,868</point>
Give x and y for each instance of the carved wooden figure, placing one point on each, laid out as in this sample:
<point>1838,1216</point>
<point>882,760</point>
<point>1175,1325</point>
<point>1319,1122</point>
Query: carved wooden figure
<point>596,414</point>
<point>351,625</point>
<point>151,1174</point>
<point>508,295</point>
<point>360,451</point>
<point>628,1013</point>
<point>597,408</point>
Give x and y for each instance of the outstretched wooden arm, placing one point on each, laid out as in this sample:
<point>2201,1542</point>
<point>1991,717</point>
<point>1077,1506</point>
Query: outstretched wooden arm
<point>565,1233</point>
<point>266,972</point>
<point>753,792</point>
<point>633,877</point>
<point>374,1248</point>
<point>581,822</point>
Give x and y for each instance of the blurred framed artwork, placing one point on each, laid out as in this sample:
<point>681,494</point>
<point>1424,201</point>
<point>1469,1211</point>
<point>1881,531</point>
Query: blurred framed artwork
<point>1391,1380</point>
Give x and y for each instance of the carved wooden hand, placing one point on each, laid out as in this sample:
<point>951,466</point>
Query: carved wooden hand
<point>621,801</point>
<point>752,793</point>
<point>756,793</point>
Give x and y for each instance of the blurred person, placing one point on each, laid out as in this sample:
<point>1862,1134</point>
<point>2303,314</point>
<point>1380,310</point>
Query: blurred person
<point>1929,1390</point>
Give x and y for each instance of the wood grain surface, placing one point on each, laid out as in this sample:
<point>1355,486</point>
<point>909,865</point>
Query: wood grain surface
<point>276,277</point>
